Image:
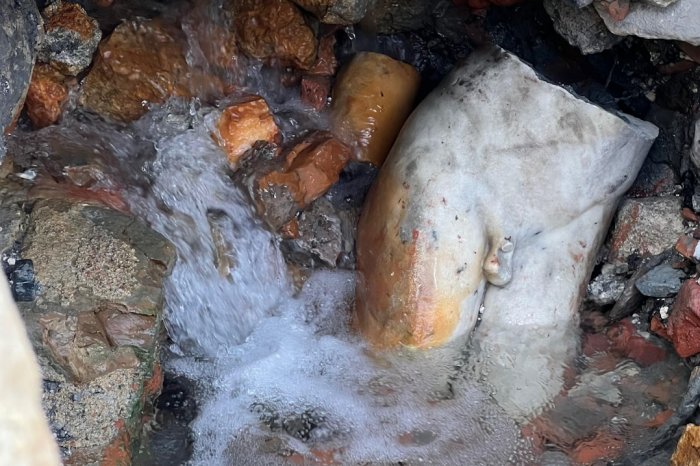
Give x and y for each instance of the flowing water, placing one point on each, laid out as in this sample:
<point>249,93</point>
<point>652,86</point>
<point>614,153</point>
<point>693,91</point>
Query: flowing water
<point>278,374</point>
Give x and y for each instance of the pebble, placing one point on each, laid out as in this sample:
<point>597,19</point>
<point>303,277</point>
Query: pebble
<point>661,282</point>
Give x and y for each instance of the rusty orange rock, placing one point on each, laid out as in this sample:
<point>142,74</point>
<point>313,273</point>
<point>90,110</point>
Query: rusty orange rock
<point>243,124</point>
<point>64,15</point>
<point>683,326</point>
<point>315,91</point>
<point>372,98</point>
<point>275,30</point>
<point>604,446</point>
<point>326,64</point>
<point>46,95</point>
<point>688,449</point>
<point>141,62</point>
<point>118,453</point>
<point>71,37</point>
<point>311,167</point>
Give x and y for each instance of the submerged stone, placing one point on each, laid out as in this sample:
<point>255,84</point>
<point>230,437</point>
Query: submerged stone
<point>243,124</point>
<point>275,30</point>
<point>46,96</point>
<point>310,168</point>
<point>372,97</point>
<point>142,62</point>
<point>467,216</point>
<point>324,235</point>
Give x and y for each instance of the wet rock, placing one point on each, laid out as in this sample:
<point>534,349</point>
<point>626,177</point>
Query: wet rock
<point>627,342</point>
<point>604,446</point>
<point>46,96</point>
<point>353,185</point>
<point>580,3</point>
<point>22,281</point>
<point>678,21</point>
<point>315,91</point>
<point>95,323</point>
<point>316,83</point>
<point>274,204</point>
<point>683,326</point>
<point>326,62</point>
<point>688,449</point>
<point>243,124</point>
<point>372,97</point>
<point>605,289</point>
<point>310,168</point>
<point>275,30</point>
<point>646,227</point>
<point>141,62</point>
<point>19,32</point>
<point>581,27</point>
<point>418,229</point>
<point>661,282</point>
<point>71,37</point>
<point>324,236</point>
<point>336,11</point>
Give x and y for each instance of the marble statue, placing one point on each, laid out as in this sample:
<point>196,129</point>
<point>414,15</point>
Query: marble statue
<point>490,208</point>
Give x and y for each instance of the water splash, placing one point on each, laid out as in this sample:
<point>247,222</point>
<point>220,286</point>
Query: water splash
<point>286,366</point>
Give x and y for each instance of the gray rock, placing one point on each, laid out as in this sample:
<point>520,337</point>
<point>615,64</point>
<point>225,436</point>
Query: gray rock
<point>581,27</point>
<point>71,37</point>
<point>678,21</point>
<point>605,289</point>
<point>580,3</point>
<point>325,236</point>
<point>336,11</point>
<point>646,226</point>
<point>661,282</point>
<point>19,33</point>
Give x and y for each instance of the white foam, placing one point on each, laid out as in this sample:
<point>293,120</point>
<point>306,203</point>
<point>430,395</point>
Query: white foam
<point>250,343</point>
